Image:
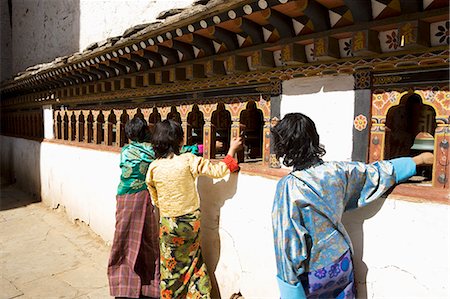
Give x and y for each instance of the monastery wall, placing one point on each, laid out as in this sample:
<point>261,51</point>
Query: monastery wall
<point>329,102</point>
<point>401,247</point>
<point>45,30</point>
<point>5,42</point>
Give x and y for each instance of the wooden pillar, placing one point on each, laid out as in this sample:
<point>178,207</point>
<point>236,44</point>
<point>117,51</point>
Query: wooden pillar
<point>266,143</point>
<point>441,169</point>
<point>208,150</point>
<point>55,122</point>
<point>118,114</point>
<point>208,131</point>
<point>184,125</point>
<point>107,131</point>
<point>236,131</point>
<point>77,123</point>
<point>86,127</point>
<point>69,126</point>
<point>95,127</point>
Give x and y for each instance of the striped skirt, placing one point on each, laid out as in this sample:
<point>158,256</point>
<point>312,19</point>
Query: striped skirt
<point>133,267</point>
<point>183,271</point>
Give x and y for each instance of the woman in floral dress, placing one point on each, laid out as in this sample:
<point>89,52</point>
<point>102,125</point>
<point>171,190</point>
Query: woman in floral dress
<point>171,181</point>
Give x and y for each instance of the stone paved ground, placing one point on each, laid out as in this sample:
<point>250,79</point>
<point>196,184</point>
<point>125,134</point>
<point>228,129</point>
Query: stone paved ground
<point>44,255</point>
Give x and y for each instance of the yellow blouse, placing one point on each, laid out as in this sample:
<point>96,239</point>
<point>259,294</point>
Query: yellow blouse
<point>171,182</point>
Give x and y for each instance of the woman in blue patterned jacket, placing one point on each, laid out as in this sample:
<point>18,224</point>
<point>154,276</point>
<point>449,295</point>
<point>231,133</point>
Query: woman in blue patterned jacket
<point>313,249</point>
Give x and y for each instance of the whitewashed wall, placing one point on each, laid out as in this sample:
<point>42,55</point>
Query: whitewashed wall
<point>329,102</point>
<point>46,29</point>
<point>402,248</point>
<point>106,18</point>
<point>5,42</point>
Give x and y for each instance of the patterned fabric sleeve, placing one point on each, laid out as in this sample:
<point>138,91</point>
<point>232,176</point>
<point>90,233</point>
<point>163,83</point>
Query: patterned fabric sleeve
<point>367,182</point>
<point>204,167</point>
<point>290,235</point>
<point>151,187</point>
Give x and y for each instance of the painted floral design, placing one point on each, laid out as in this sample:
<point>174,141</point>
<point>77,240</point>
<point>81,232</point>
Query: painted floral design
<point>360,122</point>
<point>362,80</point>
<point>348,48</point>
<point>443,33</point>
<point>392,40</point>
<point>446,101</point>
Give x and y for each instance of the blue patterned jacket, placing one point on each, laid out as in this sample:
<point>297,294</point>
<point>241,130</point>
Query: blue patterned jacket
<point>308,208</point>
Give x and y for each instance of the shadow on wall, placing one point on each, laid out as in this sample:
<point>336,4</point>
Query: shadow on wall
<point>309,85</point>
<point>211,201</point>
<point>20,166</point>
<point>354,222</point>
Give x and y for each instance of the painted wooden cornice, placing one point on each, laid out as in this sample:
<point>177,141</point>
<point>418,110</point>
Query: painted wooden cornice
<point>226,40</point>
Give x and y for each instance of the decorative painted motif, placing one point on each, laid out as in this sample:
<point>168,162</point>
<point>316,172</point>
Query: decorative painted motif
<point>360,122</point>
<point>362,80</point>
<point>389,40</point>
<point>407,34</point>
<point>386,80</point>
<point>440,33</point>
<point>309,49</point>
<point>345,47</point>
<point>320,47</point>
<point>440,102</point>
<point>359,41</point>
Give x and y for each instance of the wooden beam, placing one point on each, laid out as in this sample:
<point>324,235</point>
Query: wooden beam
<point>326,48</point>
<point>413,35</point>
<point>109,70</point>
<point>195,71</point>
<point>143,63</point>
<point>101,73</point>
<point>281,22</point>
<point>261,60</point>
<point>127,62</point>
<point>361,10</point>
<point>293,54</point>
<point>365,43</point>
<point>236,64</point>
<point>169,56</point>
<point>155,58</point>
<point>249,29</point>
<point>318,15</point>
<point>185,51</point>
<point>122,69</point>
<point>225,38</point>
<point>302,25</point>
<point>214,68</point>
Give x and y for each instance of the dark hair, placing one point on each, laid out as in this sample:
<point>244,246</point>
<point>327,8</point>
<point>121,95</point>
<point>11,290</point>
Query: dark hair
<point>167,138</point>
<point>136,129</point>
<point>296,140</point>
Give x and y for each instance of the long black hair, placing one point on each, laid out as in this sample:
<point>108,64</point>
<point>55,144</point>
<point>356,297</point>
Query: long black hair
<point>137,129</point>
<point>297,142</point>
<point>167,138</point>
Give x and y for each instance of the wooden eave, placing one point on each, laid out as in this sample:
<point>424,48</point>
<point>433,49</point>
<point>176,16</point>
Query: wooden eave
<point>193,44</point>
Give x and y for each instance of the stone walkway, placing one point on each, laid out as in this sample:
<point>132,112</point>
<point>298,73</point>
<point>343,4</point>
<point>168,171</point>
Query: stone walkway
<point>44,255</point>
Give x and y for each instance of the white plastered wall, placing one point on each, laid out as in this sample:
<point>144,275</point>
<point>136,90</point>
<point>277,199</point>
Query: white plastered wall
<point>329,102</point>
<point>401,248</point>
<point>46,29</point>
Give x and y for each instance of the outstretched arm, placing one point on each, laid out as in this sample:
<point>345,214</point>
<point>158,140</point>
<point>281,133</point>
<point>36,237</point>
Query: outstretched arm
<point>367,182</point>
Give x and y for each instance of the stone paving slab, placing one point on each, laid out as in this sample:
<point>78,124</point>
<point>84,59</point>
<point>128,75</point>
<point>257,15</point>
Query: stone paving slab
<point>44,255</point>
